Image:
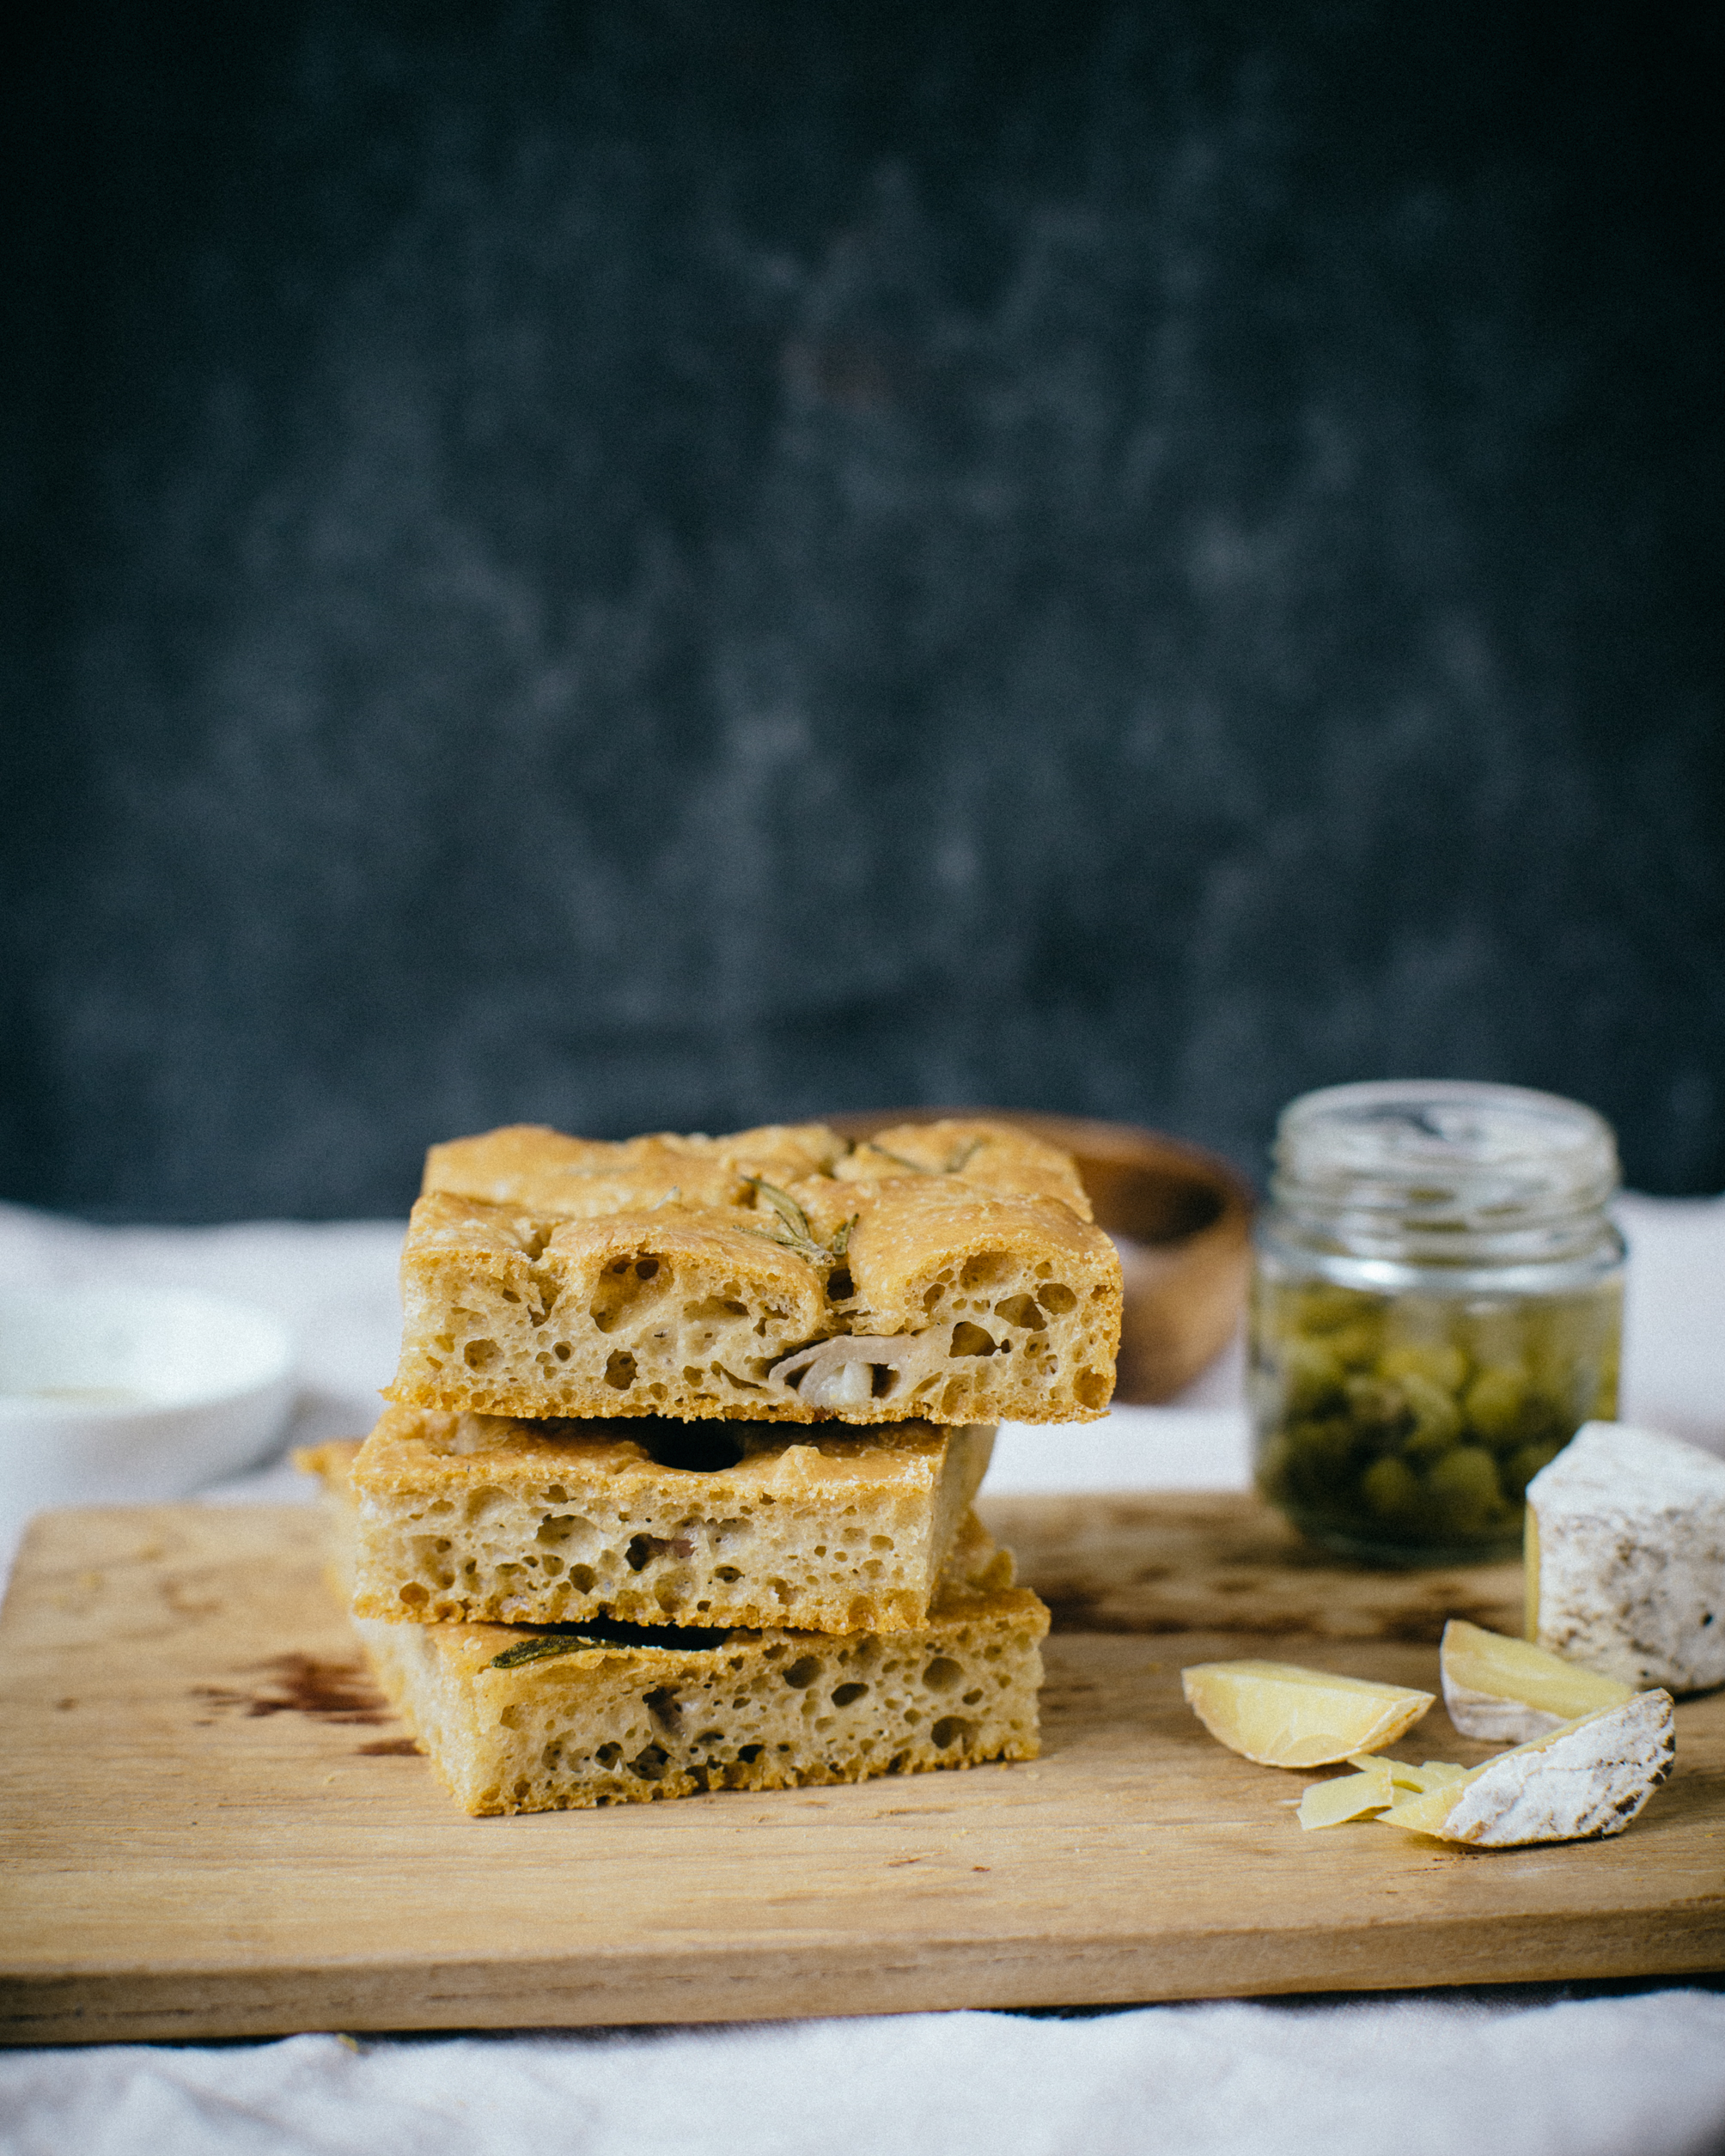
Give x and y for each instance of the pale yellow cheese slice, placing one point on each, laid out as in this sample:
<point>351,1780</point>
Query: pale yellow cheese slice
<point>1509,1690</point>
<point>1587,1778</point>
<point>1430,1774</point>
<point>1333,1803</point>
<point>1378,1785</point>
<point>1283,1716</point>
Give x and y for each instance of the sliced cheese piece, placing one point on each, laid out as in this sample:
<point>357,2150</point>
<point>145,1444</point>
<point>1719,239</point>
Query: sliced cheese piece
<point>1509,1690</point>
<point>1587,1778</point>
<point>1333,1803</point>
<point>1430,1775</point>
<point>1435,1774</point>
<point>1283,1716</point>
<point>1626,1557</point>
<point>1380,1783</point>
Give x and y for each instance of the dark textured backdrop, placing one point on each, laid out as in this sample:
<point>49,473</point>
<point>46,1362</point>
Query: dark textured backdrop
<point>674,563</point>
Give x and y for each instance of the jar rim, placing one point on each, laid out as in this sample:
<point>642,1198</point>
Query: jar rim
<point>1442,1155</point>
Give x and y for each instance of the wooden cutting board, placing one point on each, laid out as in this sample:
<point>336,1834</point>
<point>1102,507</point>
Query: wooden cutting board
<point>212,1827</point>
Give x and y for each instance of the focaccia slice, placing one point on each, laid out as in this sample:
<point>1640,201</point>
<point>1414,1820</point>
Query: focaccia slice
<point>518,1718</point>
<point>956,1289</point>
<point>473,1517</point>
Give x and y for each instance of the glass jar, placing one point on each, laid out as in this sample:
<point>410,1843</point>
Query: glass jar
<point>1437,1306</point>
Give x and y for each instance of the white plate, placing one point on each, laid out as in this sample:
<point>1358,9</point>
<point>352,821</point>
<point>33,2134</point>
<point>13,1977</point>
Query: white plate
<point>128,1394</point>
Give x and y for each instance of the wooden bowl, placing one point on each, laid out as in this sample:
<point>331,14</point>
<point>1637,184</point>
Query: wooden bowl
<point>1185,1220</point>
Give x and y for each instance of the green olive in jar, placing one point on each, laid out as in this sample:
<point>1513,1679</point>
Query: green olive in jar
<point>1436,1308</point>
<point>1406,1426</point>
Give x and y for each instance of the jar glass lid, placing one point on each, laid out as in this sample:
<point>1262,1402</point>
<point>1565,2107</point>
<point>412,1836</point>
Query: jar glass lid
<point>1444,1153</point>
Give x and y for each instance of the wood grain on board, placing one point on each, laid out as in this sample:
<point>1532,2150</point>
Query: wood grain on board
<point>212,1826</point>
<point>1204,1561</point>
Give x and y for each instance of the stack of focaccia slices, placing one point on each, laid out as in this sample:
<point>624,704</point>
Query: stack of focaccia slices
<point>675,1491</point>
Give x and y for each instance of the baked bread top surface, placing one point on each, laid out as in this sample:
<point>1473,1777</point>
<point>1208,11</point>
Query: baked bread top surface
<point>844,1248</point>
<point>540,1171</point>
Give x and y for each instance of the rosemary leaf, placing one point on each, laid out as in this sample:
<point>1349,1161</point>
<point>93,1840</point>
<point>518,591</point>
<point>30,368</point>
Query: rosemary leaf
<point>804,1246</point>
<point>785,1205</point>
<point>541,1649</point>
<point>961,1160</point>
<point>898,1159</point>
<point>800,1238</point>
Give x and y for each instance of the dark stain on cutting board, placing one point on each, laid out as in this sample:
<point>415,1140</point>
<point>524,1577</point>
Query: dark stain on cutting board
<point>327,1692</point>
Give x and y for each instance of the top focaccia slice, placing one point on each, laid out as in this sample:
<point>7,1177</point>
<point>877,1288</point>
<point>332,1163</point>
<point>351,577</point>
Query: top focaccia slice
<point>948,1270</point>
<point>540,1171</point>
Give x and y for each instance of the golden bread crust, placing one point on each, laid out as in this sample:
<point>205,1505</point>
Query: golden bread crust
<point>537,1170</point>
<point>986,1291</point>
<point>990,1156</point>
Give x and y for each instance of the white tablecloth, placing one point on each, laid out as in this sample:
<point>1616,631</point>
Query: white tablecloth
<point>1637,2073</point>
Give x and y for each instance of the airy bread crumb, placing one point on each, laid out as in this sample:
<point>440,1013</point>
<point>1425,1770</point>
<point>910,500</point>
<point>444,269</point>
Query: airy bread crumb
<point>470,1518</point>
<point>624,1723</point>
<point>518,1718</point>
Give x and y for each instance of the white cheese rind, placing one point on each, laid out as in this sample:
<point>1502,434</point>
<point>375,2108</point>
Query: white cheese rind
<point>1493,1720</point>
<point>1509,1691</point>
<point>1589,1780</point>
<point>1631,1527</point>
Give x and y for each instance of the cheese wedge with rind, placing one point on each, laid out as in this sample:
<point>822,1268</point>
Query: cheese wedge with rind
<point>1508,1691</point>
<point>1283,1715</point>
<point>1587,1778</point>
<point>1626,1557</point>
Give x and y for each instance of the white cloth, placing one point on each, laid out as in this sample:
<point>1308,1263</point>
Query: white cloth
<point>1517,2074</point>
<point>1599,2077</point>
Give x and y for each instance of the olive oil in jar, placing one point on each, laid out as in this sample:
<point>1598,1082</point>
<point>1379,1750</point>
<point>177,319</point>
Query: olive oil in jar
<point>1437,1309</point>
